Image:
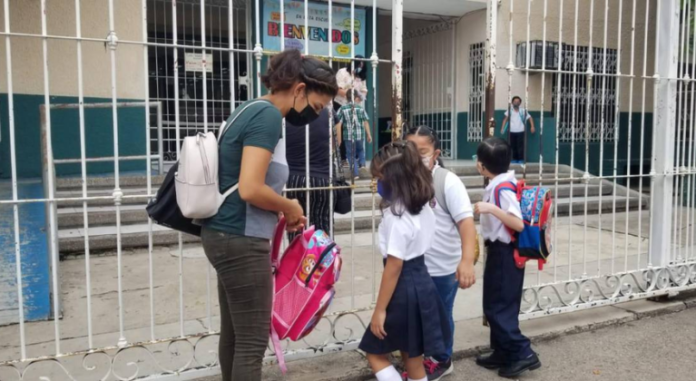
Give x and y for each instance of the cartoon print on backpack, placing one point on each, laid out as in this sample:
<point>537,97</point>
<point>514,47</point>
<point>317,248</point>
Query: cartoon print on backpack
<point>308,264</point>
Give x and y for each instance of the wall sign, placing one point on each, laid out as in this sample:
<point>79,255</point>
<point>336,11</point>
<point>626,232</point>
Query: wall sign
<point>318,29</point>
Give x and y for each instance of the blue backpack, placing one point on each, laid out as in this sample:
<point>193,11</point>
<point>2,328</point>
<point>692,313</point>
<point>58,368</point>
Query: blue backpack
<point>536,203</point>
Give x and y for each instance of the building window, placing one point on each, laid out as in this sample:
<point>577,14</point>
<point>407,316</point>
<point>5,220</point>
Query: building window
<point>474,132</point>
<point>578,120</point>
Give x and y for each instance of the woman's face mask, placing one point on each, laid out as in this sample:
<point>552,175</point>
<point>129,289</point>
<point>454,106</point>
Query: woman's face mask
<point>301,118</point>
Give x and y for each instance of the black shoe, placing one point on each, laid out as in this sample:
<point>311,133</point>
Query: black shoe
<point>491,361</point>
<point>516,368</point>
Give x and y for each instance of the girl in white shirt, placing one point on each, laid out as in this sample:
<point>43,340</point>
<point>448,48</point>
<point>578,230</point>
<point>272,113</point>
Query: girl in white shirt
<point>450,260</point>
<point>409,316</point>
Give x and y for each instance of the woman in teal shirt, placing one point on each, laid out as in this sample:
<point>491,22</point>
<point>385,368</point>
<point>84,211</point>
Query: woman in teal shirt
<point>237,239</point>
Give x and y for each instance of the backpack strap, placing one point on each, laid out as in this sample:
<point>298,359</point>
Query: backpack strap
<point>226,126</point>
<point>507,186</point>
<point>223,128</point>
<point>439,180</point>
<point>277,240</point>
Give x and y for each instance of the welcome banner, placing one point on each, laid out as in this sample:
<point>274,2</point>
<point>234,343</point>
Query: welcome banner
<point>317,31</point>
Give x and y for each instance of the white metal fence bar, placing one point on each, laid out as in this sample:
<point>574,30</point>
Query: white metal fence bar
<point>53,231</point>
<point>13,166</point>
<point>663,141</point>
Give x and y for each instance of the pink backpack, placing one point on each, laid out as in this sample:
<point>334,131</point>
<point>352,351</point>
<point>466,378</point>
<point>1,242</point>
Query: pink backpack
<point>304,280</point>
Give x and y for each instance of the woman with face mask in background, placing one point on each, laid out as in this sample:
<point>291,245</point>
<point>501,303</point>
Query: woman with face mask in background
<point>237,239</point>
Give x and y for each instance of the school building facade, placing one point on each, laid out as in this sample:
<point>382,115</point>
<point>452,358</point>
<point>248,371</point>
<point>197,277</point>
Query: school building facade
<point>444,73</point>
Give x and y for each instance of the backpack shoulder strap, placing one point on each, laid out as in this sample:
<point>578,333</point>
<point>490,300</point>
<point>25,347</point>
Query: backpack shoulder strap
<point>439,180</point>
<point>277,240</point>
<point>505,186</point>
<point>226,126</point>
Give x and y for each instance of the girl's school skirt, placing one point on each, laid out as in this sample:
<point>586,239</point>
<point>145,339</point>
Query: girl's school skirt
<point>416,322</point>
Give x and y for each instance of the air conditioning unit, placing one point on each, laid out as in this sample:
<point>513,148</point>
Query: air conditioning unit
<point>536,54</point>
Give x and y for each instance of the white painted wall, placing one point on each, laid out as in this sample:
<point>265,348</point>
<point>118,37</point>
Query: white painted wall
<point>631,59</point>
<point>27,53</point>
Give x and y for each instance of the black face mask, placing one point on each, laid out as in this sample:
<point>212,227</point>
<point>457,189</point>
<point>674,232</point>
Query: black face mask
<point>307,116</point>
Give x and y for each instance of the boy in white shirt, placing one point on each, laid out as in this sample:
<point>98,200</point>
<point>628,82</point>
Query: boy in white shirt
<point>502,279</point>
<point>518,128</point>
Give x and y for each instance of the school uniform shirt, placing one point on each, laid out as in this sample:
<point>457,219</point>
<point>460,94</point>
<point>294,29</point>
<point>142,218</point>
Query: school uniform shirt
<point>492,229</point>
<point>515,121</point>
<point>407,236</point>
<point>446,251</point>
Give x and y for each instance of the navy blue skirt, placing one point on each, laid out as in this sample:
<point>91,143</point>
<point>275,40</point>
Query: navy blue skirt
<point>416,322</point>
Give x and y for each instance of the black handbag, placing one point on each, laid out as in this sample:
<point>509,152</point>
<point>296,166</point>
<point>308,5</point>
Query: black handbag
<point>164,210</point>
<point>342,197</point>
<point>343,200</point>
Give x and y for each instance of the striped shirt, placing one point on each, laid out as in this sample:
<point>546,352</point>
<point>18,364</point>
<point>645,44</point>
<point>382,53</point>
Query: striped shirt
<point>352,119</point>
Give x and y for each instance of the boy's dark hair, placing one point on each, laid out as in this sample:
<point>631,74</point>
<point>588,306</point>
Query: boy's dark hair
<point>289,67</point>
<point>516,97</point>
<point>427,132</point>
<point>494,154</point>
<point>352,94</point>
<point>399,167</point>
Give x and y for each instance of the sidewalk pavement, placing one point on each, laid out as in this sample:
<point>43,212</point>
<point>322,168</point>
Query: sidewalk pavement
<point>471,338</point>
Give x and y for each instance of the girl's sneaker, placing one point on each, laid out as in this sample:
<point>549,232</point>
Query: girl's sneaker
<point>438,370</point>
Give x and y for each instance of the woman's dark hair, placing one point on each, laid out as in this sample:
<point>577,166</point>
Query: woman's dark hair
<point>427,132</point>
<point>289,67</point>
<point>399,167</point>
<point>494,154</point>
<point>363,74</point>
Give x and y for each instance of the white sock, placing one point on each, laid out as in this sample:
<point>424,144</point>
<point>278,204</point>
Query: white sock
<point>388,374</point>
<point>422,379</point>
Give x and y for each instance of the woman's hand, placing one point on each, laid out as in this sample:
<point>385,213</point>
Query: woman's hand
<point>294,216</point>
<point>377,323</point>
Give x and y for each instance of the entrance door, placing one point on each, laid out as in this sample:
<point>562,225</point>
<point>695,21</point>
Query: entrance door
<point>428,80</point>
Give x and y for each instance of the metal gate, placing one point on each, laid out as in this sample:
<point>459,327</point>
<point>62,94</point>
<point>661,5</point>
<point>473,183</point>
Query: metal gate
<point>133,299</point>
<point>610,144</point>
<point>613,142</point>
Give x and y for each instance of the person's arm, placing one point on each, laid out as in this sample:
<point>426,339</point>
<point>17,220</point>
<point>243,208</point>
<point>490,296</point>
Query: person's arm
<point>508,219</point>
<point>502,127</point>
<point>466,275</point>
<point>366,125</point>
<point>531,123</point>
<point>253,188</point>
<point>461,212</point>
<point>390,277</point>
<point>339,135</point>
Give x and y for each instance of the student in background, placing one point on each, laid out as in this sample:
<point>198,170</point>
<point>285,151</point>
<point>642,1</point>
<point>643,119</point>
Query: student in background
<point>353,128</point>
<point>518,129</point>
